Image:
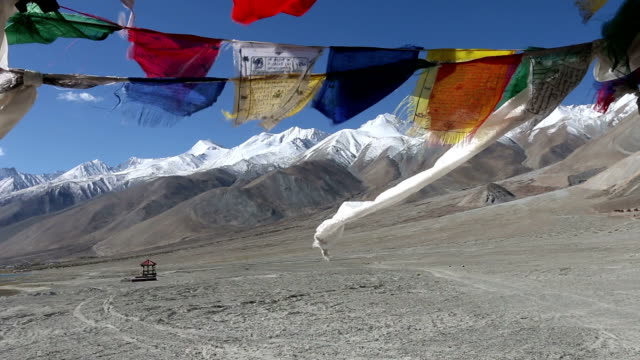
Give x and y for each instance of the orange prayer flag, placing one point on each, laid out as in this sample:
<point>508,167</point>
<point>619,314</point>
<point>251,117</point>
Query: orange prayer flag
<point>464,95</point>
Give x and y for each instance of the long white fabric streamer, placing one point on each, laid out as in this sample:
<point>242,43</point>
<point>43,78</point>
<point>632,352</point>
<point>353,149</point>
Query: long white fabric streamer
<point>510,115</point>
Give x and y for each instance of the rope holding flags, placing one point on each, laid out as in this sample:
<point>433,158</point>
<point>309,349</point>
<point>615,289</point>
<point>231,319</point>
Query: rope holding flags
<point>163,55</point>
<point>456,92</point>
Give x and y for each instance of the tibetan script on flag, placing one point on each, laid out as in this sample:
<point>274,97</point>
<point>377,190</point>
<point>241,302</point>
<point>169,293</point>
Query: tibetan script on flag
<point>275,81</point>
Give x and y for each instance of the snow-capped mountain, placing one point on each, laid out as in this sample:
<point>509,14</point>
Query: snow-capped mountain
<point>368,142</point>
<point>85,170</point>
<point>579,120</point>
<point>12,180</point>
<point>261,152</point>
<point>266,151</point>
<point>279,150</point>
<point>566,129</point>
<point>313,171</point>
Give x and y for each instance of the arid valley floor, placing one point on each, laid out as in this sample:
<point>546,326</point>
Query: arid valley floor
<point>553,276</point>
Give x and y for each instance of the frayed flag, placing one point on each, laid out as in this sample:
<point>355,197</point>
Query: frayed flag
<point>165,103</point>
<point>453,100</point>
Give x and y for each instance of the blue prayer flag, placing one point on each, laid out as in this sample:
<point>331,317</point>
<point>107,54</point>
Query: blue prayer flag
<point>357,78</point>
<point>164,103</point>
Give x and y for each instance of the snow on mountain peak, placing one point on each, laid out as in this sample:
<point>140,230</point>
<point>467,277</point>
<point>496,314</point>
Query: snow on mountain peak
<point>384,125</point>
<point>580,120</point>
<point>86,170</point>
<point>367,142</point>
<point>203,146</point>
<point>266,148</point>
<point>12,180</point>
<point>305,134</point>
<point>8,172</point>
<point>384,134</point>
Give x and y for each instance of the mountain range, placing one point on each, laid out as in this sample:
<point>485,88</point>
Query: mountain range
<point>97,210</point>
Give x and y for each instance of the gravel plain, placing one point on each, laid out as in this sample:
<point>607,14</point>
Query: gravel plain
<point>530,279</point>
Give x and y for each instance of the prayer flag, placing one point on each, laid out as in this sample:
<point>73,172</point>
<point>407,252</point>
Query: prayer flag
<point>35,26</point>
<point>610,91</point>
<point>357,78</point>
<point>273,98</point>
<point>172,55</point>
<point>554,74</point>
<point>519,81</point>
<point>589,7</point>
<point>454,99</point>
<point>462,55</point>
<point>248,11</point>
<point>164,103</point>
<point>275,81</point>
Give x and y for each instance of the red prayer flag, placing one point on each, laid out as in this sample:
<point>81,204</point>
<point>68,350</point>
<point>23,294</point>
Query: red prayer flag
<point>172,55</point>
<point>248,11</point>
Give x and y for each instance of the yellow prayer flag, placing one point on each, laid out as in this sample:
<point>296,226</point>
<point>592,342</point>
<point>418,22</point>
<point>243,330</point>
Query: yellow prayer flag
<point>273,98</point>
<point>589,7</point>
<point>461,55</point>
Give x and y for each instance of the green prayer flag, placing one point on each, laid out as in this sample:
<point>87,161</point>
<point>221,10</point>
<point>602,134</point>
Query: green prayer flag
<point>519,81</point>
<point>35,26</point>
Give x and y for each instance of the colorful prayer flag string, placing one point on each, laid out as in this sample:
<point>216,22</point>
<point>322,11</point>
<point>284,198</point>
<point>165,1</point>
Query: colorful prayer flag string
<point>275,79</point>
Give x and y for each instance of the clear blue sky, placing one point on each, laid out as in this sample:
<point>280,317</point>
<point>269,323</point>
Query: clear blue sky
<point>59,134</point>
